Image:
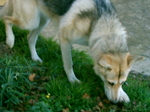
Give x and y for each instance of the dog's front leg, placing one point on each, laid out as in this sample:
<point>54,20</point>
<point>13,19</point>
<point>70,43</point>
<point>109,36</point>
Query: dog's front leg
<point>67,59</point>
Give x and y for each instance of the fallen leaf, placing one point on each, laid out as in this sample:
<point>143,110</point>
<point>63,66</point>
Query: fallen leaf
<point>86,96</point>
<point>69,97</point>
<point>106,101</point>
<point>96,108</point>
<point>31,77</point>
<point>100,104</point>
<point>97,88</point>
<point>86,111</point>
<point>98,99</point>
<point>45,78</point>
<point>21,109</point>
<point>32,101</point>
<point>66,110</point>
<point>102,95</point>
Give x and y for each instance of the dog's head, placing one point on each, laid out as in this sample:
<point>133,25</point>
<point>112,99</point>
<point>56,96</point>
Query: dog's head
<point>113,69</point>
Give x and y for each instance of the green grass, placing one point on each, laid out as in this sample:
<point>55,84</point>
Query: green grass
<point>17,93</point>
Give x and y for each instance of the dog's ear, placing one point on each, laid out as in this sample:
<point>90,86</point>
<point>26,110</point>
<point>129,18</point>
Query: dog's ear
<point>104,63</point>
<point>134,58</point>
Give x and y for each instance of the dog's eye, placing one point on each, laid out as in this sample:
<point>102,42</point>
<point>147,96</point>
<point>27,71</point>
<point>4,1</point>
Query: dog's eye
<point>111,83</point>
<point>108,69</point>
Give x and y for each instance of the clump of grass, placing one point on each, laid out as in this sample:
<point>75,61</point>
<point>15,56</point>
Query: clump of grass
<point>18,93</point>
<point>12,87</point>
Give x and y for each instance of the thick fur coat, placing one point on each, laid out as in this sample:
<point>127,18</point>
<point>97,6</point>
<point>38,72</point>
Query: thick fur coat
<point>88,22</point>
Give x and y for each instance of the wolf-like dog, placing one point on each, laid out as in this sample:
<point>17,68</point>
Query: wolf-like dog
<point>88,22</point>
<point>26,15</point>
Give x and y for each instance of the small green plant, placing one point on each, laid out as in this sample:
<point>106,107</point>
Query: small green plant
<point>40,107</point>
<point>12,88</point>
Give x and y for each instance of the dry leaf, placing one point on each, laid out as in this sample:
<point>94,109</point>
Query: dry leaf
<point>98,99</point>
<point>100,104</point>
<point>86,111</point>
<point>97,88</point>
<point>86,96</point>
<point>45,78</point>
<point>32,101</point>
<point>32,76</point>
<point>66,110</point>
<point>96,108</point>
<point>106,101</point>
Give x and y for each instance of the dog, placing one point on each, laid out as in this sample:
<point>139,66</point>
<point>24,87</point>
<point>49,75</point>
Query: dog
<point>87,22</point>
<point>26,15</point>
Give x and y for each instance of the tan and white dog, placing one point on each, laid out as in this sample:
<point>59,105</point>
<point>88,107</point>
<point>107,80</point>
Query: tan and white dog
<point>88,22</point>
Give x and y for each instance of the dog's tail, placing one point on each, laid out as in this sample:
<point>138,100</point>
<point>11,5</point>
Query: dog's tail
<point>105,7</point>
<point>6,10</point>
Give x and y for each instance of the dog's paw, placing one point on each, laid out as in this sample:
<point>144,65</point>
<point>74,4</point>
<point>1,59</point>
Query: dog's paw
<point>73,80</point>
<point>10,42</point>
<point>37,59</point>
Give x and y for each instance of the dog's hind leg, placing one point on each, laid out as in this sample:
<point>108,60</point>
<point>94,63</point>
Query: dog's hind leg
<point>10,39</point>
<point>32,38</point>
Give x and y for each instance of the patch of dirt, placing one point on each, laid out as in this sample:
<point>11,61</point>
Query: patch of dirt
<point>4,49</point>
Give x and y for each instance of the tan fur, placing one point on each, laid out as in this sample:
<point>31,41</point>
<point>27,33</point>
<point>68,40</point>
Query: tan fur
<point>13,21</point>
<point>114,68</point>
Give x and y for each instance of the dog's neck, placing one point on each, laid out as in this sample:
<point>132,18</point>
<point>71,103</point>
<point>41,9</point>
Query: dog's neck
<point>108,36</point>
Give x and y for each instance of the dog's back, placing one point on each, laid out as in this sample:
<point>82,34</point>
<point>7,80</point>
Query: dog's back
<point>59,7</point>
<point>6,9</point>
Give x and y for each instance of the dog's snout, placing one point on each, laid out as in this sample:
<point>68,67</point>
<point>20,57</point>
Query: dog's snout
<point>115,93</point>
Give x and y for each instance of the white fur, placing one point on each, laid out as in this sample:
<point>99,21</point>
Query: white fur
<point>10,39</point>
<point>116,95</point>
<point>72,30</point>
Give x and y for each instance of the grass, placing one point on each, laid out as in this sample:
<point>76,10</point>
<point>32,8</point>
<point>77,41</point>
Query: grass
<point>50,91</point>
